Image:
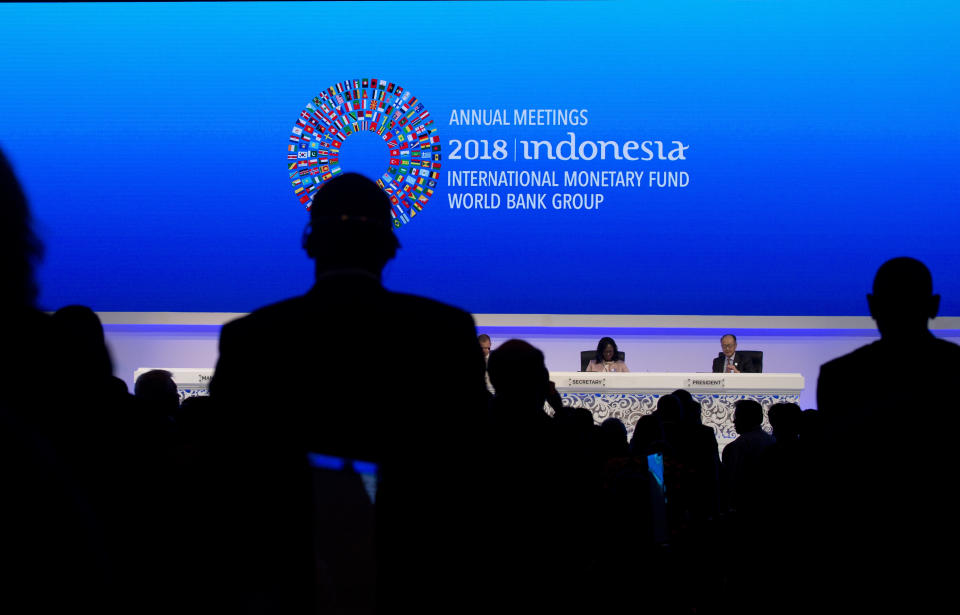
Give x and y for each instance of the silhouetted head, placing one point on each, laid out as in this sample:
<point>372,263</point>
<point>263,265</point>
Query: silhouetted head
<point>158,390</point>
<point>747,415</point>
<point>692,411</point>
<point>81,336</point>
<point>518,373</point>
<point>670,409</point>
<point>785,421</point>
<point>19,247</point>
<point>647,432</point>
<point>902,300</point>
<point>606,350</point>
<point>612,438</point>
<point>350,226</point>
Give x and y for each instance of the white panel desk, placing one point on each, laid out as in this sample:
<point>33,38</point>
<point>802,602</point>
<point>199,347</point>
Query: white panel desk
<point>628,396</point>
<point>624,396</point>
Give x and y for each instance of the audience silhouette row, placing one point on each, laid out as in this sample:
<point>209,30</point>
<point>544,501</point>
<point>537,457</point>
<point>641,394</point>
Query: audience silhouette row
<point>328,491</point>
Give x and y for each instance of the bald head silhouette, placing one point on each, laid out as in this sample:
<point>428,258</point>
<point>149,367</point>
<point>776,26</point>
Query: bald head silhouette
<point>350,226</point>
<point>902,301</point>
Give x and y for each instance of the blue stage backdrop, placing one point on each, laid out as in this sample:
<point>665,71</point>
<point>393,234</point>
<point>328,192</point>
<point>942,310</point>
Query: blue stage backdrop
<point>714,157</point>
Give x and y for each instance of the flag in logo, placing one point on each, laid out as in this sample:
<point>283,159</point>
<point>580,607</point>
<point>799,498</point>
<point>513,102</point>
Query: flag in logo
<point>367,105</point>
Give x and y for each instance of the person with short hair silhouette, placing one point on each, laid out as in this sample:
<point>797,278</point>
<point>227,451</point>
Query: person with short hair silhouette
<point>740,462</point>
<point>742,495</point>
<point>612,439</point>
<point>118,447</point>
<point>702,457</point>
<point>885,377</point>
<point>890,421</point>
<point>540,496</point>
<point>289,389</point>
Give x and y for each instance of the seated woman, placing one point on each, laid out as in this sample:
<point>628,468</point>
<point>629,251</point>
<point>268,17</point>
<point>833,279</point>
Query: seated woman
<point>606,359</point>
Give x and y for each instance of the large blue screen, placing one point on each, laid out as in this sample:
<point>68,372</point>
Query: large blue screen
<point>714,157</point>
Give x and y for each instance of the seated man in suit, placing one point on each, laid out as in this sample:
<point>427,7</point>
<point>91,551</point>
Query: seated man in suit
<point>730,361</point>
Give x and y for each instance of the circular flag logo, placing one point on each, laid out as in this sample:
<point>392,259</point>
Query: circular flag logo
<point>411,169</point>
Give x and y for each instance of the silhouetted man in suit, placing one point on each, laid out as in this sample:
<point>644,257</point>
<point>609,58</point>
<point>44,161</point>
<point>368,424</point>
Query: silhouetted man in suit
<point>332,372</point>
<point>731,361</point>
<point>741,458</point>
<point>891,415</point>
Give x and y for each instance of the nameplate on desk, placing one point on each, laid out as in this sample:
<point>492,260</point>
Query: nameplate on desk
<point>711,382</point>
<point>587,381</point>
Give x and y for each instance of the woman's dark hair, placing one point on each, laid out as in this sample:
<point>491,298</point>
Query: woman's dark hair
<point>603,344</point>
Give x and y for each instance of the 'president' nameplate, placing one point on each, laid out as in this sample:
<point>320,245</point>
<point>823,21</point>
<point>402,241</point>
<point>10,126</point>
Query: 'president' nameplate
<point>707,382</point>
